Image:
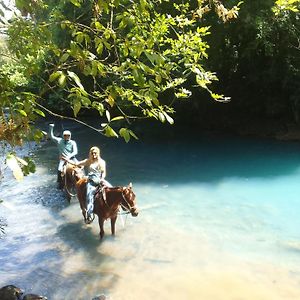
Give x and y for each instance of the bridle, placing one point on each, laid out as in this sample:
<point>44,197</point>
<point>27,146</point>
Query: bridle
<point>127,208</point>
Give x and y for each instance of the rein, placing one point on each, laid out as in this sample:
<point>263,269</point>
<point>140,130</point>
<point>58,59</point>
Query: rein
<point>127,209</point>
<point>123,206</point>
<point>66,186</point>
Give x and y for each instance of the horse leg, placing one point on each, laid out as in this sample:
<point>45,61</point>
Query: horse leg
<point>68,196</point>
<point>113,225</point>
<point>60,183</point>
<point>83,211</point>
<point>101,225</point>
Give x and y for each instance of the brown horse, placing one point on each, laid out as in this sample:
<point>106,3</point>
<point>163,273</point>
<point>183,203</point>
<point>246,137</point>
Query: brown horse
<point>107,203</point>
<point>70,175</point>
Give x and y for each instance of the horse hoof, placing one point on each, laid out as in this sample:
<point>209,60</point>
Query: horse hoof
<point>89,220</point>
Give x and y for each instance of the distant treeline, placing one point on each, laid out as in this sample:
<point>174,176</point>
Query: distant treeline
<point>257,60</point>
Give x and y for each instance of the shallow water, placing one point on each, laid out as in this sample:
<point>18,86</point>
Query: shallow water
<point>219,219</point>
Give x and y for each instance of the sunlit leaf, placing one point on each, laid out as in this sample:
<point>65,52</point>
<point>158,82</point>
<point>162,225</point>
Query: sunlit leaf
<point>85,101</point>
<point>22,112</point>
<point>107,113</point>
<point>22,161</point>
<point>76,79</point>
<point>124,133</point>
<point>168,118</point>
<point>117,118</point>
<point>161,117</point>
<point>64,57</point>
<point>76,106</point>
<point>110,132</point>
<point>133,134</point>
<point>12,163</point>
<point>62,79</point>
<point>110,100</point>
<point>54,75</point>
<point>39,112</point>
<point>100,48</point>
<point>76,2</point>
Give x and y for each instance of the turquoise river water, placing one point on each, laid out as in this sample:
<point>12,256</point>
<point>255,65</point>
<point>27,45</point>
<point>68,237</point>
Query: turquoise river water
<point>219,220</point>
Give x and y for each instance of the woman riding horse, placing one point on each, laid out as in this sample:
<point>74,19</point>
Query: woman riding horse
<point>97,196</point>
<point>96,167</point>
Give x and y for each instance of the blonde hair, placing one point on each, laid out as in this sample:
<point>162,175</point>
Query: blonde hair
<point>94,149</point>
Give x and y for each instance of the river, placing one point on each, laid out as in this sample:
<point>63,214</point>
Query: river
<point>219,220</point>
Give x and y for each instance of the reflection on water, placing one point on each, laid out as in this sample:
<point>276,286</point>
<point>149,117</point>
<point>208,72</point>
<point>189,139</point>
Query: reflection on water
<point>218,220</point>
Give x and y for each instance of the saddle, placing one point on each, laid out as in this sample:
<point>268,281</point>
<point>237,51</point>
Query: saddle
<point>100,192</point>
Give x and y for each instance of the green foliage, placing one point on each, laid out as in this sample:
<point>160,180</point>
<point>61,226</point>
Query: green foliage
<point>113,56</point>
<point>257,57</point>
<point>29,167</point>
<point>117,57</point>
<point>282,6</point>
<point>20,166</point>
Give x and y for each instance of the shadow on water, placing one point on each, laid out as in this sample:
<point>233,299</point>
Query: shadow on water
<point>46,248</point>
<point>79,236</point>
<point>59,263</point>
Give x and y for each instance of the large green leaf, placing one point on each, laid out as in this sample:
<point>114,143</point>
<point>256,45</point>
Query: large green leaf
<point>73,76</point>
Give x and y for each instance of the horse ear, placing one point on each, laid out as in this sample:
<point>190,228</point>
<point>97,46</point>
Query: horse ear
<point>130,185</point>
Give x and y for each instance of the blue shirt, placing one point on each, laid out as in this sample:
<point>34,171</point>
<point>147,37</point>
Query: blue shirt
<point>67,148</point>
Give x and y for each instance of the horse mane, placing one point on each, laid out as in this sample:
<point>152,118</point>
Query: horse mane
<point>114,187</point>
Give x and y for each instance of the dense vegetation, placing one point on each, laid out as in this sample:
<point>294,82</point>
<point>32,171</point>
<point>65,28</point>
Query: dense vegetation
<point>130,60</point>
<point>257,59</point>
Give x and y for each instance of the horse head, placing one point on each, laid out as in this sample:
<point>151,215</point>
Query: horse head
<point>78,173</point>
<point>73,172</point>
<point>128,202</point>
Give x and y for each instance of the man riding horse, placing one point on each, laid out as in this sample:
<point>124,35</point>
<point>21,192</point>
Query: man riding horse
<point>67,151</point>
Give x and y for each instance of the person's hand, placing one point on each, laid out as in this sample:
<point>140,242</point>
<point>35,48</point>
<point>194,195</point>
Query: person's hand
<point>64,158</point>
<point>51,125</point>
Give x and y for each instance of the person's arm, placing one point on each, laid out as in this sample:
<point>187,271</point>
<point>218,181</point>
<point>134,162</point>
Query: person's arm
<point>103,169</point>
<point>51,135</point>
<point>69,161</point>
<point>81,163</point>
<point>75,149</point>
